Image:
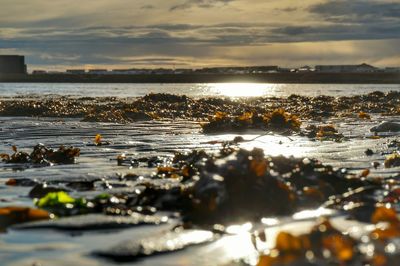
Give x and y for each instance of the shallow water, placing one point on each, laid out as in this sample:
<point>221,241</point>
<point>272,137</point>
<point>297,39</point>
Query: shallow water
<point>50,247</point>
<point>192,90</point>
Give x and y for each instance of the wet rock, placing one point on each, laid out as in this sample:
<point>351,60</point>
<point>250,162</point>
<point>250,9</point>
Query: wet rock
<point>82,185</point>
<point>158,244</point>
<point>387,126</point>
<point>369,152</point>
<point>96,222</point>
<point>21,182</point>
<point>122,160</point>
<point>41,190</point>
<point>375,164</point>
<point>394,144</point>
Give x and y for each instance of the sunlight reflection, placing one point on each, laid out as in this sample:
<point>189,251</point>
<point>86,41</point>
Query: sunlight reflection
<point>275,145</point>
<point>307,214</point>
<point>270,221</point>
<point>239,229</point>
<point>236,247</point>
<point>244,89</point>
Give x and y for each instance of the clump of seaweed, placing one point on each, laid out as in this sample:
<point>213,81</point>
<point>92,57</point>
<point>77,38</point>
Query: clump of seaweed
<point>241,184</point>
<point>364,115</point>
<point>98,141</point>
<point>14,215</point>
<point>279,121</point>
<point>326,244</point>
<point>43,155</point>
<point>324,133</point>
<point>392,160</point>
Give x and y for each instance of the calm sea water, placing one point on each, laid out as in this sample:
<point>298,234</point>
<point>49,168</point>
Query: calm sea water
<point>193,90</point>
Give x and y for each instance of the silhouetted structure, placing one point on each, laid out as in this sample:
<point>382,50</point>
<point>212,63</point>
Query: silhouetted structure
<point>12,64</point>
<point>363,68</point>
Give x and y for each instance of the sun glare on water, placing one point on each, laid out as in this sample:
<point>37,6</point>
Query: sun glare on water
<point>243,89</point>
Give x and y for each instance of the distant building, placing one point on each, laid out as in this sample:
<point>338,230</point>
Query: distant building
<point>305,69</point>
<point>363,68</point>
<point>75,71</point>
<point>98,71</point>
<point>162,71</point>
<point>53,72</point>
<point>239,70</point>
<point>39,72</point>
<point>12,64</point>
<point>183,71</point>
<point>124,71</point>
<point>264,69</point>
<point>392,70</point>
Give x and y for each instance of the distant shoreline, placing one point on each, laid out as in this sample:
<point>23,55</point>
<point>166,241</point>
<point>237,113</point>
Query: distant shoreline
<point>300,78</point>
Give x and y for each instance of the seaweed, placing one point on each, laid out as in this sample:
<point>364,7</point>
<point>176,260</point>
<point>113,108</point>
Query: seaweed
<point>169,106</point>
<point>241,185</point>
<point>43,155</point>
<point>392,160</point>
<point>278,121</point>
<point>14,215</point>
<point>326,244</point>
<point>324,133</point>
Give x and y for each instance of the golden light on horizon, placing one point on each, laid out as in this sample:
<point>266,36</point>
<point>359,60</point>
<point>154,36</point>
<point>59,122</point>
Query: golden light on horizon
<point>243,89</point>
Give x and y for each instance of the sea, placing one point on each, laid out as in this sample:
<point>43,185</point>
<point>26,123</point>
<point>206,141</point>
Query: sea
<point>124,90</point>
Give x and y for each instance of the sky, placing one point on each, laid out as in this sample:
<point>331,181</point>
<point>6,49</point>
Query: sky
<point>200,33</point>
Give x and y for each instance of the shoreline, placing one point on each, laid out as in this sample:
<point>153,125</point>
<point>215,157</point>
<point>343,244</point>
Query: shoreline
<point>170,106</point>
<point>279,78</point>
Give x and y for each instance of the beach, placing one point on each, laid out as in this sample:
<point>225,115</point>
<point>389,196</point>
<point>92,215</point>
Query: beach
<point>131,143</point>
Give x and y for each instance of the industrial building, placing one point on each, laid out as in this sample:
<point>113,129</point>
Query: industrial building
<point>363,68</point>
<point>12,64</point>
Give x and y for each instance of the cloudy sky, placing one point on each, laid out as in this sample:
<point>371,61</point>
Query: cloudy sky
<point>196,33</point>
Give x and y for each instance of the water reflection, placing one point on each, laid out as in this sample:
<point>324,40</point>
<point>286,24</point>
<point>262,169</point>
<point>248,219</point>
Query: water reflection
<point>243,89</point>
<point>276,145</point>
<point>308,214</point>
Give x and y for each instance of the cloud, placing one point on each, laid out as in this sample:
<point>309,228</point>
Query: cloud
<point>337,32</point>
<point>358,11</point>
<point>199,3</point>
<point>147,7</point>
<point>288,9</point>
<point>219,32</point>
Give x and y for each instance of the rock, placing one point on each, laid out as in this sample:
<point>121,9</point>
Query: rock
<point>21,182</point>
<point>169,242</point>
<point>41,190</point>
<point>387,126</point>
<point>96,222</point>
<point>369,152</point>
